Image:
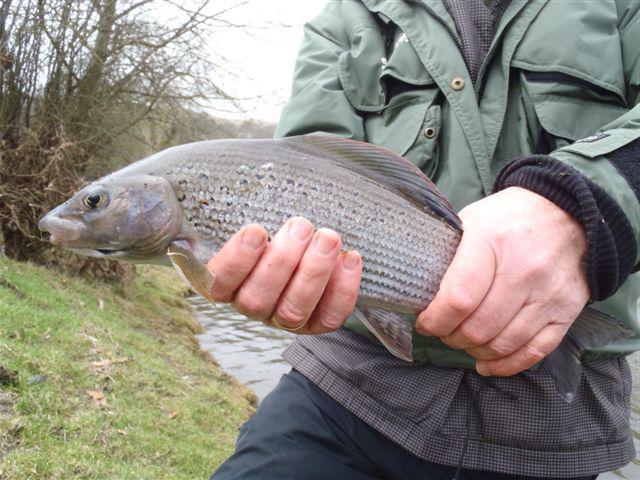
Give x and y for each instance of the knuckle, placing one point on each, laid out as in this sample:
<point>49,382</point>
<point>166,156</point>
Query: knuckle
<point>251,305</point>
<point>314,271</point>
<point>330,320</point>
<point>437,328</point>
<point>460,302</point>
<point>533,354</point>
<point>537,265</point>
<point>282,257</point>
<point>472,336</point>
<point>556,290</point>
<point>291,313</point>
<point>500,348</point>
<point>346,294</point>
<point>221,296</point>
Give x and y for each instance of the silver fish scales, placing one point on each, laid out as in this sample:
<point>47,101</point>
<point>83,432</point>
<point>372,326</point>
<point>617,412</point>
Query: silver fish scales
<point>405,250</point>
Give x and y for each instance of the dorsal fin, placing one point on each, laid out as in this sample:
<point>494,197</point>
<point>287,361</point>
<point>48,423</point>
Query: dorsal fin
<point>384,167</point>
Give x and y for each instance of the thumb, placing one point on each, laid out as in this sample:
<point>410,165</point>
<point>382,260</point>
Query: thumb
<point>463,287</point>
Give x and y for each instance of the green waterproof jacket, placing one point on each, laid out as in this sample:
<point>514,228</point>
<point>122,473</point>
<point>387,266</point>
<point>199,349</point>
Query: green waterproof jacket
<point>560,76</point>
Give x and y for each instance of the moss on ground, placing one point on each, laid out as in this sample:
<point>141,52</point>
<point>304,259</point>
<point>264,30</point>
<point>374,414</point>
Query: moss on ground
<point>111,383</point>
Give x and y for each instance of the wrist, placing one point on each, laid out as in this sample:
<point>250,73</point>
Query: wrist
<point>610,240</point>
<point>563,230</point>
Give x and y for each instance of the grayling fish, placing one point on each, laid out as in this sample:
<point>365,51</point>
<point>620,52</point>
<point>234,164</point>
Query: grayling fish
<point>181,205</point>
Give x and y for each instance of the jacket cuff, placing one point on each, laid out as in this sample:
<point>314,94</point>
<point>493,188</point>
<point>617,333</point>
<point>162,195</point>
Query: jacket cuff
<point>611,245</point>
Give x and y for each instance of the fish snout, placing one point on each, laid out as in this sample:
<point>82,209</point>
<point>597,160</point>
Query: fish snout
<point>61,230</point>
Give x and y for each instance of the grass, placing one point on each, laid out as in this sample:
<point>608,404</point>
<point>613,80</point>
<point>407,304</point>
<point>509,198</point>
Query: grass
<point>111,383</point>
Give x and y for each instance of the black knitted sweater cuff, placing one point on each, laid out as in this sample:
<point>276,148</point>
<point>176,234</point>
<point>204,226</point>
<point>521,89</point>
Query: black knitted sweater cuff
<point>611,244</point>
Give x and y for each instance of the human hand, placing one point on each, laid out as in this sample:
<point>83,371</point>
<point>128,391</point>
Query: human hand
<point>299,280</point>
<point>516,283</point>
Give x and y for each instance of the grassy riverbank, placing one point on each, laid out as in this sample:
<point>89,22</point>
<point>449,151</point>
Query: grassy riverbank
<point>111,384</point>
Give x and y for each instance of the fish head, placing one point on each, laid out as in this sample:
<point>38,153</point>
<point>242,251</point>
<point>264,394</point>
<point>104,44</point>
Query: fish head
<point>131,218</point>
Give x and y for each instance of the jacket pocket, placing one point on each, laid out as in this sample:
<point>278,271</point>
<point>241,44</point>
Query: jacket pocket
<point>568,108</point>
<point>396,96</point>
<point>409,125</point>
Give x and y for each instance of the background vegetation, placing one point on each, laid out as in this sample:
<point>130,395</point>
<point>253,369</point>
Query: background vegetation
<point>103,378</point>
<point>86,87</point>
<point>102,382</point>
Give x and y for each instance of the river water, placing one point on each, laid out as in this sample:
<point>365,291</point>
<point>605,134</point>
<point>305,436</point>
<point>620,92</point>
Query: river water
<point>251,352</point>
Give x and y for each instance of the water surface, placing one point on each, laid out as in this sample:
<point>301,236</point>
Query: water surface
<point>251,352</point>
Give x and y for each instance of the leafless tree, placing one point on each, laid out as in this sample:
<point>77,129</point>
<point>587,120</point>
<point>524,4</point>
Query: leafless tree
<point>79,78</point>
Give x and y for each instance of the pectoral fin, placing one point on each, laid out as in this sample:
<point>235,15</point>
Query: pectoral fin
<point>563,364</point>
<point>191,270</point>
<point>592,329</point>
<point>391,328</point>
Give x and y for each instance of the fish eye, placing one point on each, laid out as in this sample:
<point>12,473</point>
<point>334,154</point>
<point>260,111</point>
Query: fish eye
<point>93,200</point>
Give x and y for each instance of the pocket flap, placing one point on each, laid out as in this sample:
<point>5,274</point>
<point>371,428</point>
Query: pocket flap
<point>369,79</point>
<point>359,71</point>
<point>401,121</point>
<point>570,110</point>
<point>404,65</point>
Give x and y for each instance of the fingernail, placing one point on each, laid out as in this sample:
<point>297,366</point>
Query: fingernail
<point>299,228</point>
<point>482,369</point>
<point>351,260</point>
<point>324,242</point>
<point>253,237</point>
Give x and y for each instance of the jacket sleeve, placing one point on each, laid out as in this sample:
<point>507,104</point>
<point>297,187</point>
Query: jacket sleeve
<point>318,103</point>
<point>597,179</point>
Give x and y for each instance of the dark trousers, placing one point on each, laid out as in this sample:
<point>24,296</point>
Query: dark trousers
<point>299,432</point>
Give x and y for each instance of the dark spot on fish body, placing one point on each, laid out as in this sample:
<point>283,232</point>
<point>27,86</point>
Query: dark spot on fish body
<point>182,181</point>
<point>182,197</point>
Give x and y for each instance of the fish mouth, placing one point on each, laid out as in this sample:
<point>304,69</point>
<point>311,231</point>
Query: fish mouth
<point>61,230</point>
